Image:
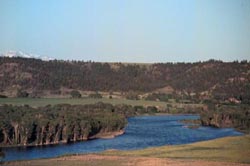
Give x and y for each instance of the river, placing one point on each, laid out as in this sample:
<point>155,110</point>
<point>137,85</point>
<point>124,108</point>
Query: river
<point>141,132</point>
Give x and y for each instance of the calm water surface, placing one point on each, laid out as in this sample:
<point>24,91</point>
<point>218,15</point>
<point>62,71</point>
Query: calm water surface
<point>141,132</point>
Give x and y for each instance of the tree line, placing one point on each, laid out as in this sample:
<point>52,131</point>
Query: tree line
<point>25,125</point>
<point>227,115</point>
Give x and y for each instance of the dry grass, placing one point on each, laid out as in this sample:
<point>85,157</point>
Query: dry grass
<point>230,149</point>
<point>99,160</point>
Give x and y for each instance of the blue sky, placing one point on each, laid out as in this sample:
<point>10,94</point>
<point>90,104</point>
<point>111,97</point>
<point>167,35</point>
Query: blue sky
<point>128,30</point>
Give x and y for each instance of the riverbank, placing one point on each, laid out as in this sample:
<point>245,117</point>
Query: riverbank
<point>229,151</point>
<point>107,135</point>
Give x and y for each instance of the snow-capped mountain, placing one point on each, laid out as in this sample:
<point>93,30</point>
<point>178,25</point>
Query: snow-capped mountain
<point>25,55</point>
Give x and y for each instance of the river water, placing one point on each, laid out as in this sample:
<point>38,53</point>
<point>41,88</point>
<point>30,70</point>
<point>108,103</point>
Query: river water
<point>141,132</point>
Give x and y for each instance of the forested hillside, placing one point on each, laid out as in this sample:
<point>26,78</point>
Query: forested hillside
<point>216,78</point>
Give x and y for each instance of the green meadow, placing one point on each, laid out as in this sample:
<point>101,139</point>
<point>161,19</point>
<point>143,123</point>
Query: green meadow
<point>37,102</point>
<point>229,149</point>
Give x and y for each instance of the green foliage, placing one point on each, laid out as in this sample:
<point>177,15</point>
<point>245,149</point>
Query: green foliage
<point>41,125</point>
<point>237,116</point>
<point>158,97</point>
<point>38,102</point>
<point>75,94</point>
<point>169,105</point>
<point>152,109</point>
<point>24,125</point>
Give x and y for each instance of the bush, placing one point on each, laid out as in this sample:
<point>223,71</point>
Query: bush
<point>152,109</point>
<point>75,94</point>
<point>3,96</point>
<point>21,93</point>
<point>169,105</point>
<point>95,95</point>
<point>158,97</point>
<point>132,95</point>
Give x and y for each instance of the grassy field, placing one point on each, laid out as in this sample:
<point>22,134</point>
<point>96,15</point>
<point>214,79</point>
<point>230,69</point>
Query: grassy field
<point>229,151</point>
<point>36,102</point>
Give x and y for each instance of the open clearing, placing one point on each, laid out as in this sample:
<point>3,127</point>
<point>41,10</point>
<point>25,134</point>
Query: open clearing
<point>38,102</point>
<point>229,151</point>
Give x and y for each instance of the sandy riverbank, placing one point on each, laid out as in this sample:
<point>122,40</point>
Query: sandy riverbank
<point>107,135</point>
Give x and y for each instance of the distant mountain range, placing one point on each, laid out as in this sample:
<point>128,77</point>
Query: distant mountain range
<point>25,55</point>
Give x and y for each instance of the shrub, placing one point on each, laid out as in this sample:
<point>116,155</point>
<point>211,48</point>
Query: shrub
<point>3,96</point>
<point>75,94</point>
<point>95,95</point>
<point>21,93</point>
